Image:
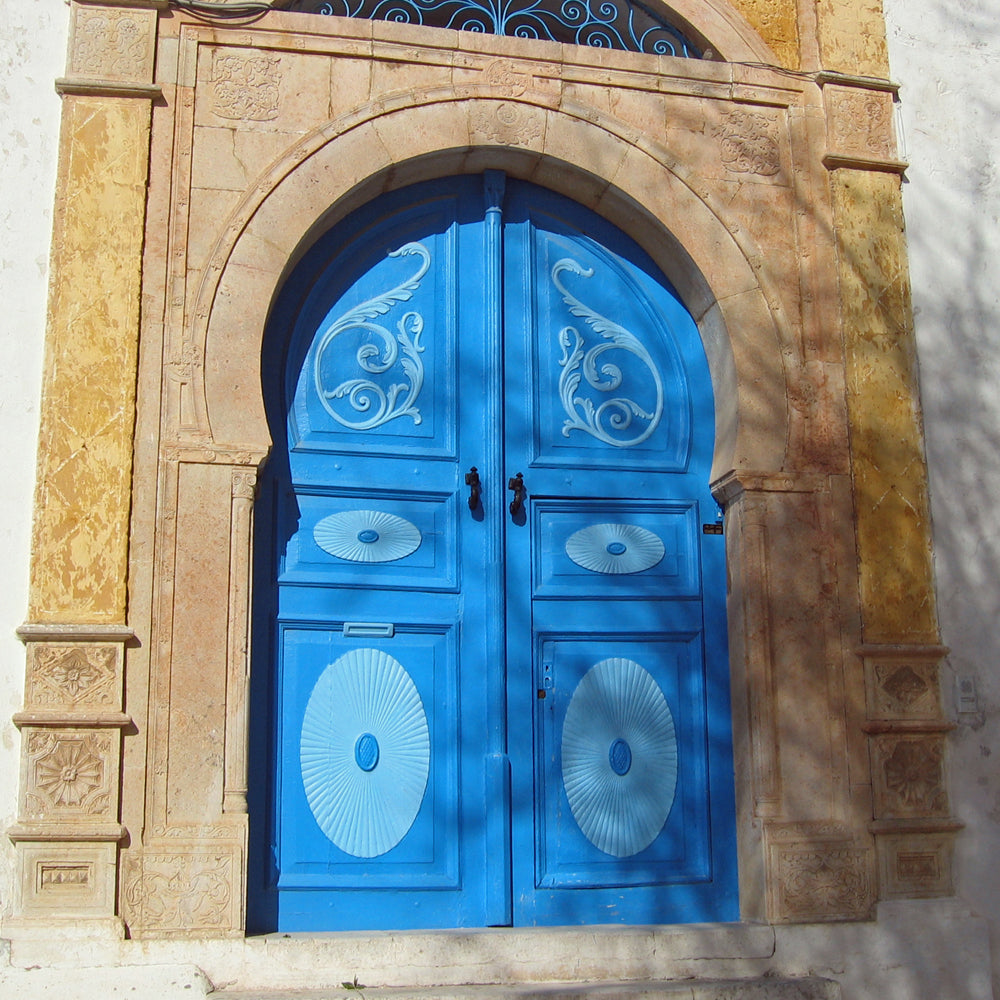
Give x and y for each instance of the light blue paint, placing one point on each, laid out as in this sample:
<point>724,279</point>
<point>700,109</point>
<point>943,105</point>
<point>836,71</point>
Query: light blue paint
<point>488,323</point>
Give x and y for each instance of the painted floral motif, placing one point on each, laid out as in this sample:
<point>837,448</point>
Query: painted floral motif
<point>378,354</point>
<point>610,420</point>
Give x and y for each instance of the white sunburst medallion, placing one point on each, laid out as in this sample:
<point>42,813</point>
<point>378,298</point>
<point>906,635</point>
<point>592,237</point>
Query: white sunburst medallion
<point>615,548</point>
<point>619,757</point>
<point>367,536</point>
<point>365,752</point>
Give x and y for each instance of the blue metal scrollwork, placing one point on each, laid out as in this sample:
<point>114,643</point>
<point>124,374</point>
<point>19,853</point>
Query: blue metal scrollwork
<point>607,24</point>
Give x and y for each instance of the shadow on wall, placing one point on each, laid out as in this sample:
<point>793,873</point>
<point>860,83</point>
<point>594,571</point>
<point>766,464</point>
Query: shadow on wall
<point>950,106</point>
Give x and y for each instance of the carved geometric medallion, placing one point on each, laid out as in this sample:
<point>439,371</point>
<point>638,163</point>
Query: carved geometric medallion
<point>614,548</point>
<point>367,536</point>
<point>619,757</point>
<point>365,752</point>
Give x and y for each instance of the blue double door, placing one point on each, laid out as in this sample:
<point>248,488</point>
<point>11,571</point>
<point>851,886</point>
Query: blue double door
<point>499,690</point>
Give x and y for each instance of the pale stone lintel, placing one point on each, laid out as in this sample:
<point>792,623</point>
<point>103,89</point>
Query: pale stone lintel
<point>92,720</point>
<point>826,76</point>
<point>883,827</point>
<point>836,162</point>
<point>907,726</point>
<point>903,651</point>
<point>107,88</point>
<point>65,833</point>
<point>59,632</point>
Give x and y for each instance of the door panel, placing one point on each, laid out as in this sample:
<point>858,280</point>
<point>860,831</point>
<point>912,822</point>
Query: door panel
<point>445,679</point>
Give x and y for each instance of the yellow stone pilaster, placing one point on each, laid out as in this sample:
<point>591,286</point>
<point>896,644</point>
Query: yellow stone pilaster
<point>80,541</point>
<point>905,725</point>
<point>890,477</point>
<point>68,831</point>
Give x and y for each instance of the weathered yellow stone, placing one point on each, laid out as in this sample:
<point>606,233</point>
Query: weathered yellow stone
<point>776,22</point>
<point>852,37</point>
<point>85,444</point>
<point>897,595</point>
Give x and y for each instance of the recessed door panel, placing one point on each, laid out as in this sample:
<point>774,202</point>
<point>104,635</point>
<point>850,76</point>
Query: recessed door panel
<point>498,690</point>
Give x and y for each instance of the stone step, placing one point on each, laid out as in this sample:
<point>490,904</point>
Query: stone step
<point>762,988</point>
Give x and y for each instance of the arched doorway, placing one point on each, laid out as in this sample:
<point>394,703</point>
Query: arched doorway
<point>490,580</point>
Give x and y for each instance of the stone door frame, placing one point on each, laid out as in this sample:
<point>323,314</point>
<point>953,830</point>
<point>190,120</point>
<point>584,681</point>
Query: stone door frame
<point>768,199</point>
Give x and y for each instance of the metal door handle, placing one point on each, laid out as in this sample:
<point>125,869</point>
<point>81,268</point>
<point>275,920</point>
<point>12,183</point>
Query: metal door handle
<point>520,494</point>
<point>475,488</point>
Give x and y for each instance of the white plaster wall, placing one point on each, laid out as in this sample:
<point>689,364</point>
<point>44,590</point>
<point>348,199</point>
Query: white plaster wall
<point>947,58</point>
<point>32,54</point>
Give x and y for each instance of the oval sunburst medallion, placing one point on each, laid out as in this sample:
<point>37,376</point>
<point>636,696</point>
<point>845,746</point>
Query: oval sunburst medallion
<point>367,536</point>
<point>615,548</point>
<point>365,752</point>
<point>619,757</point>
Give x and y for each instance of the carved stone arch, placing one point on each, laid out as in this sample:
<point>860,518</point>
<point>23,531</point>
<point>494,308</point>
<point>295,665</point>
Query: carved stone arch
<point>633,181</point>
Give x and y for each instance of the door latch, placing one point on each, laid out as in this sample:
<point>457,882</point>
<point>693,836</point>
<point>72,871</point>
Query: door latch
<point>475,487</point>
<point>516,484</point>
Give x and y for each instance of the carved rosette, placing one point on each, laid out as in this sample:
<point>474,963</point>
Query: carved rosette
<point>908,776</point>
<point>71,676</point>
<point>70,774</point>
<point>509,123</point>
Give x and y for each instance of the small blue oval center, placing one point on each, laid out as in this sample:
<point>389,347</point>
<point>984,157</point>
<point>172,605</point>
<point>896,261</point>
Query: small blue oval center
<point>620,757</point>
<point>368,536</point>
<point>616,548</point>
<point>366,752</point>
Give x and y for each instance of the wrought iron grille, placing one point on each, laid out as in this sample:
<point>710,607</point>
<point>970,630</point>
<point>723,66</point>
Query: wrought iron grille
<point>609,24</point>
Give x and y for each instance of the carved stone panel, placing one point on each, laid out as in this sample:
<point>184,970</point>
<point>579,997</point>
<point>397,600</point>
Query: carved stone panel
<point>818,872</point>
<point>73,676</point>
<point>902,688</point>
<point>69,775</point>
<point>822,883</point>
<point>748,143</point>
<point>860,123</point>
<point>66,879</point>
<point>246,86</point>
<point>908,776</point>
<point>915,865</point>
<point>186,890</point>
<point>113,44</point>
